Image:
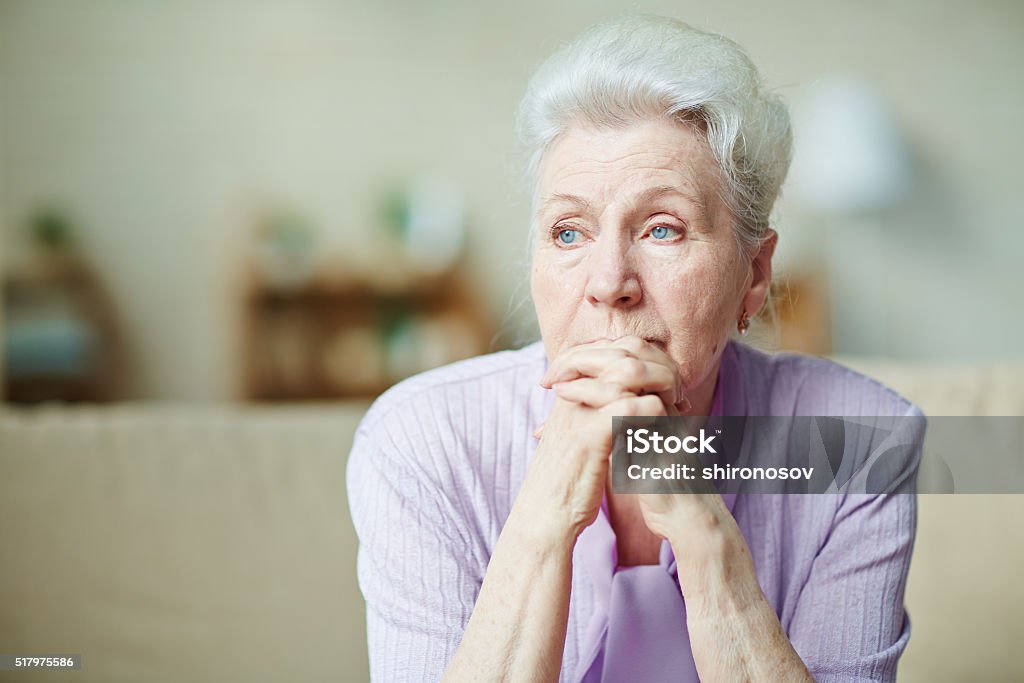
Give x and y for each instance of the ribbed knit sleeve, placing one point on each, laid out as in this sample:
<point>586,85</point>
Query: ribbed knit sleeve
<point>415,568</point>
<point>848,621</point>
<point>835,566</point>
<point>432,474</point>
<point>850,624</point>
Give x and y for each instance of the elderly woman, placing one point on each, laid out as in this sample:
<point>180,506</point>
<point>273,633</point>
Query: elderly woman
<point>492,545</point>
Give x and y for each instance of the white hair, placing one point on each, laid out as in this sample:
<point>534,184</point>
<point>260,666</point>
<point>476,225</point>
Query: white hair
<point>642,67</point>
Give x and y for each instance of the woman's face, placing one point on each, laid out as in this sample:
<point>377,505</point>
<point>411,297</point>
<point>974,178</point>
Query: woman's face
<point>632,238</point>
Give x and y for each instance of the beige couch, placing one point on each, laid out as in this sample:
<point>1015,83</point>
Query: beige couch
<point>168,543</point>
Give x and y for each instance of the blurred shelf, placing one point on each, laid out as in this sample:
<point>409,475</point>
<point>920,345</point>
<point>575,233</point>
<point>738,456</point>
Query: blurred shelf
<point>335,339</point>
<point>60,338</point>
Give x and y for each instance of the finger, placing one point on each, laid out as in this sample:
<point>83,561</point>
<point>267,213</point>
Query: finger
<point>682,406</point>
<point>649,375</point>
<point>643,377</point>
<point>641,348</point>
<point>590,392</point>
<point>538,431</point>
<point>641,367</point>
<point>544,380</point>
<point>635,406</point>
<point>581,362</point>
<point>672,409</point>
<point>656,356</point>
<point>632,343</point>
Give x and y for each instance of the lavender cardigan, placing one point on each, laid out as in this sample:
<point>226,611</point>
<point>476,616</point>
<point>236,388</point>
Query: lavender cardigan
<point>439,458</point>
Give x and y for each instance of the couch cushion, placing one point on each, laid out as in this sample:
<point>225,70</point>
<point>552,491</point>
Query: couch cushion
<point>170,543</point>
<point>964,594</point>
<point>177,544</point>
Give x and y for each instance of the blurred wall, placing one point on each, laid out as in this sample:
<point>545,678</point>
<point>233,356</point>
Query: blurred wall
<point>166,127</point>
<point>3,259</point>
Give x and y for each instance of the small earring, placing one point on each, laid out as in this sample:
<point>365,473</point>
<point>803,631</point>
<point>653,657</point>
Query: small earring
<point>743,325</point>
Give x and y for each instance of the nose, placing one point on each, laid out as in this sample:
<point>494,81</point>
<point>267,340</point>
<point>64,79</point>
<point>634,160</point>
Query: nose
<point>613,279</point>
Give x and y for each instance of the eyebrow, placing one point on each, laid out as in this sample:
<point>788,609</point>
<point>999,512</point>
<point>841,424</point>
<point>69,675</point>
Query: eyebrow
<point>563,198</point>
<point>648,195</point>
<point>660,191</point>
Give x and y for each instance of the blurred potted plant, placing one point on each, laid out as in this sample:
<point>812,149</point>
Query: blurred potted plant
<point>286,251</point>
<point>52,237</point>
<point>60,341</point>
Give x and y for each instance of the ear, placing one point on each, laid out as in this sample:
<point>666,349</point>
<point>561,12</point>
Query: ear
<point>761,275</point>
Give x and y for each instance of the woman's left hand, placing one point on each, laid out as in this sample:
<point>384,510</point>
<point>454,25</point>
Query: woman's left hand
<point>724,601</point>
<point>597,373</point>
<point>600,372</point>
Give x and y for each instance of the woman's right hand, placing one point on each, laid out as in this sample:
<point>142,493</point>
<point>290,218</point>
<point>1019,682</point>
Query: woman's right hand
<point>567,477</point>
<point>517,631</point>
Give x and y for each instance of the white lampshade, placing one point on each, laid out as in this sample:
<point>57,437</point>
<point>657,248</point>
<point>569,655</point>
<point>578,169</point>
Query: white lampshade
<point>435,228</point>
<point>849,155</point>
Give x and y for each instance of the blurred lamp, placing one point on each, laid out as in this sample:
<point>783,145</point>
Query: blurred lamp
<point>850,165</point>
<point>849,155</point>
<point>435,224</point>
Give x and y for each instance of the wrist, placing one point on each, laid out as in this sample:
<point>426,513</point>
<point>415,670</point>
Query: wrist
<point>554,506</point>
<point>546,534</point>
<point>716,573</point>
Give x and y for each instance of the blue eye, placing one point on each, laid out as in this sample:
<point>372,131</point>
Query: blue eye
<point>567,236</point>
<point>660,232</point>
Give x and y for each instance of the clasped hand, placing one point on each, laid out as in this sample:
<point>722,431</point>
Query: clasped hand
<point>594,382</point>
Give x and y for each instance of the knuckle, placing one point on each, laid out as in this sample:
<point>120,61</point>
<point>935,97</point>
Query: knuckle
<point>615,389</point>
<point>632,343</point>
<point>651,405</point>
<point>636,406</point>
<point>621,406</point>
<point>620,355</point>
<point>628,369</point>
